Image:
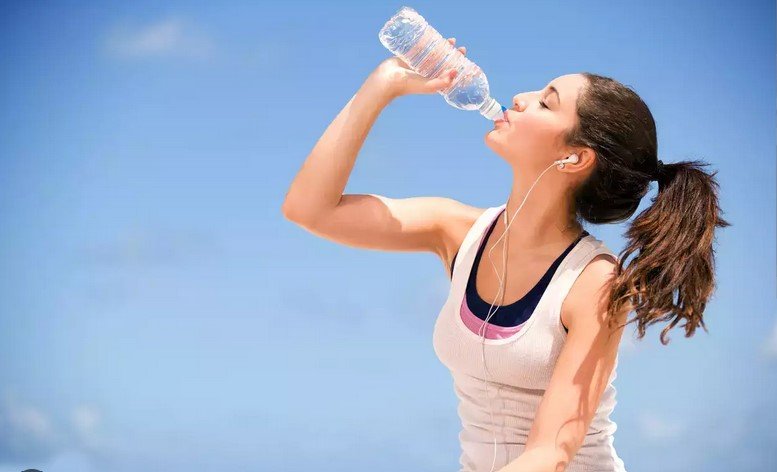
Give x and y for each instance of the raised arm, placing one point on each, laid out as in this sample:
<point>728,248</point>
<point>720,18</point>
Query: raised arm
<point>315,200</point>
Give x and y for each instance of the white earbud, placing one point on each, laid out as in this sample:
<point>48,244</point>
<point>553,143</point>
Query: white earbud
<point>572,159</point>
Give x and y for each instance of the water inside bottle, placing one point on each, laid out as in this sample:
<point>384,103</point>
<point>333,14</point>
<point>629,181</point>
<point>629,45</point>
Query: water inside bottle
<point>411,38</point>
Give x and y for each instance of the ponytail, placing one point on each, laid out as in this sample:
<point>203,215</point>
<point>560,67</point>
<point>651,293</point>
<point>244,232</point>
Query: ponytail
<point>671,276</point>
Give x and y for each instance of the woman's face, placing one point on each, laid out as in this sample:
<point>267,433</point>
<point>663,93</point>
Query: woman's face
<point>533,137</point>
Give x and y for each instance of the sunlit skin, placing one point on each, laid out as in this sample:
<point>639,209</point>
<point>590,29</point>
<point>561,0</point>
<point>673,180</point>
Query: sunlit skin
<point>529,141</point>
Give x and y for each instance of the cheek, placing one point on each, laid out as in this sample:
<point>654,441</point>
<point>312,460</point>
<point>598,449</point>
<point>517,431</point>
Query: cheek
<point>531,123</point>
<point>534,131</point>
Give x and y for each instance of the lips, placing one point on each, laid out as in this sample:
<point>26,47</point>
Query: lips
<point>504,120</point>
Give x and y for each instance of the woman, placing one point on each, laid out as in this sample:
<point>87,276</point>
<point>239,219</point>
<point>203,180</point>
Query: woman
<point>534,378</point>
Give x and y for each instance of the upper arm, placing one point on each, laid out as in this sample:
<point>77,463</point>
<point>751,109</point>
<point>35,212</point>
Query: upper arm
<point>373,221</point>
<point>584,366</point>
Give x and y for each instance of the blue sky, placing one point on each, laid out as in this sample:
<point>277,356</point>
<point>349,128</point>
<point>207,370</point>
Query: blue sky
<point>157,312</point>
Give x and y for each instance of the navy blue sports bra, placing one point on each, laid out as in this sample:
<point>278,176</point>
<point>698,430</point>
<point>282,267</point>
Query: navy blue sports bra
<point>518,312</point>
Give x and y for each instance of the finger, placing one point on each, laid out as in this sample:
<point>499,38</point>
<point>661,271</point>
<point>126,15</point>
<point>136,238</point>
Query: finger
<point>442,81</point>
<point>452,40</point>
<point>463,49</point>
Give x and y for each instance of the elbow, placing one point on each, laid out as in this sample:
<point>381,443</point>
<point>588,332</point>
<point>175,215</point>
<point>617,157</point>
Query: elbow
<point>291,210</point>
<point>301,215</point>
<point>287,211</point>
<point>306,212</point>
<point>294,216</point>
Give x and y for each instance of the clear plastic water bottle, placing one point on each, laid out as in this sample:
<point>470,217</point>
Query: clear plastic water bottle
<point>408,36</point>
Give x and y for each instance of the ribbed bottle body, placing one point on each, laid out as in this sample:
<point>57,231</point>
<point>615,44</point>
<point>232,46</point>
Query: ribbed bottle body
<point>411,38</point>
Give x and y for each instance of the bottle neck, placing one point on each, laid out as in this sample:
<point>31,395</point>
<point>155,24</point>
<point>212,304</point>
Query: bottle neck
<point>491,109</point>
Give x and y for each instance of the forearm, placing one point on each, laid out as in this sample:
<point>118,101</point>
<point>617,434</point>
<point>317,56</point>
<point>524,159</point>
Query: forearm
<point>538,459</point>
<point>322,179</point>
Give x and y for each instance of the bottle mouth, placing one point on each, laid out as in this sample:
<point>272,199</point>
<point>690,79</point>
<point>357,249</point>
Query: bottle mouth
<point>492,110</point>
<point>504,117</point>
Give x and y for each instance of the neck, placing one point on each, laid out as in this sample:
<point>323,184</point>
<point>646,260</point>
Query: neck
<point>546,219</point>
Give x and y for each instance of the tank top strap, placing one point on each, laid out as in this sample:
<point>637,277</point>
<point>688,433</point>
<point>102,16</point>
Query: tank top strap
<point>469,247</point>
<point>588,248</point>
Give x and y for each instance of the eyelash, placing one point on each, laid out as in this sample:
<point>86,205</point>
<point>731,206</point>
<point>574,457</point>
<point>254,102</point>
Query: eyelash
<point>542,104</point>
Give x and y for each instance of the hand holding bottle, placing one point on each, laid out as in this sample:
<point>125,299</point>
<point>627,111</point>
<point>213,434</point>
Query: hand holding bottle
<point>425,51</point>
<point>399,79</point>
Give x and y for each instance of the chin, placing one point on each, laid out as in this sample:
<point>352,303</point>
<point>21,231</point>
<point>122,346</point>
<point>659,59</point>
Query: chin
<point>495,143</point>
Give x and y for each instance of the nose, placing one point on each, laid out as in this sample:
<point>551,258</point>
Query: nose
<point>519,106</point>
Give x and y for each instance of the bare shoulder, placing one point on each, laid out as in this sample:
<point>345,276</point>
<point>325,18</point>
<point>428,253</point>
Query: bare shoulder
<point>455,229</point>
<point>590,291</point>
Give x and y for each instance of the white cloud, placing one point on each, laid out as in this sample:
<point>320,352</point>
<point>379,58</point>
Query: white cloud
<point>30,436</point>
<point>29,420</point>
<point>660,428</point>
<point>165,38</point>
<point>26,432</point>
<point>85,419</point>
<point>769,347</point>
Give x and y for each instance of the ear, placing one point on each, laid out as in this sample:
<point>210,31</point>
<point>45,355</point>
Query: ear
<point>586,159</point>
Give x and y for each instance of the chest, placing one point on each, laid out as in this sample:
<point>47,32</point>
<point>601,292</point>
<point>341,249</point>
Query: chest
<point>524,360</point>
<point>521,275</point>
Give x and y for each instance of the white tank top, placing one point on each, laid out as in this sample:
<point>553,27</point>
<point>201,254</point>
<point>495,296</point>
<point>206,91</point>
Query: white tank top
<point>519,367</point>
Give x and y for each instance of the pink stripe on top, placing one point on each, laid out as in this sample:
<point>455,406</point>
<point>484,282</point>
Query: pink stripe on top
<point>493,331</point>
<point>473,322</point>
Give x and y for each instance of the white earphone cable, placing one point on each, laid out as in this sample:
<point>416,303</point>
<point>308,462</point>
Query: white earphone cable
<point>573,158</point>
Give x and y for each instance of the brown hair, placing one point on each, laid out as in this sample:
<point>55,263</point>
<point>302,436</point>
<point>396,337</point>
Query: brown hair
<point>673,238</point>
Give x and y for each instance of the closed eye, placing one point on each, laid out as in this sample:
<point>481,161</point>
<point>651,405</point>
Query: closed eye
<point>542,104</point>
